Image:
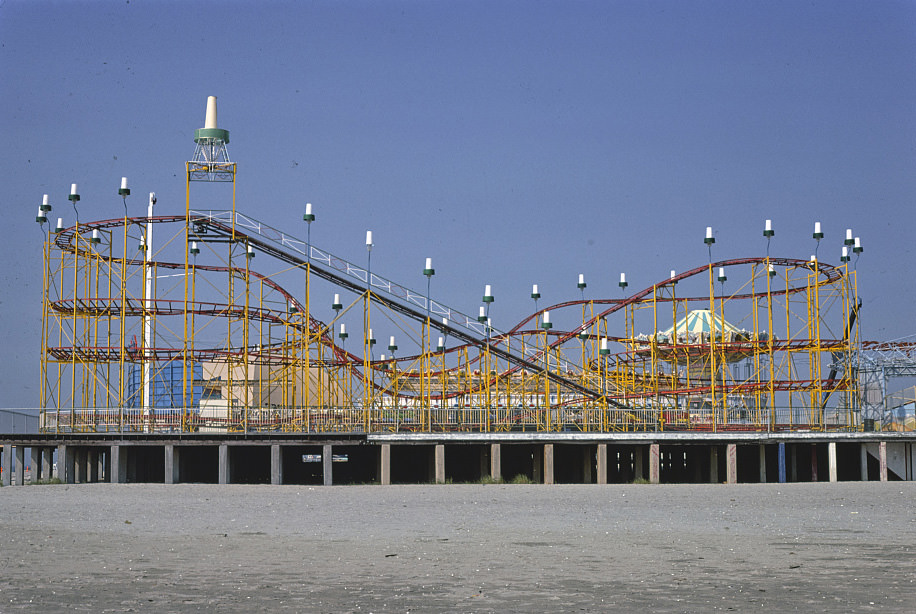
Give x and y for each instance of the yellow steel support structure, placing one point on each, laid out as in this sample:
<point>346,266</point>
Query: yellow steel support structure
<point>219,340</point>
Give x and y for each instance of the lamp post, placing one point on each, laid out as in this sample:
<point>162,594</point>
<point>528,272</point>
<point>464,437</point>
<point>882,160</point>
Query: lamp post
<point>124,192</point>
<point>768,233</point>
<point>342,335</point>
<point>369,246</point>
<point>603,352</point>
<point>369,376</point>
<point>546,325</point>
<point>308,217</point>
<point>817,235</point>
<point>485,313</point>
<point>709,240</point>
<point>42,219</point>
<point>74,198</point>
<point>392,347</point>
<point>426,370</point>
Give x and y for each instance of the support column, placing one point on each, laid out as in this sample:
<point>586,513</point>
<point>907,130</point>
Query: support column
<point>714,465</point>
<point>654,466</point>
<point>7,464</point>
<point>548,463</point>
<point>65,466</point>
<point>47,463</point>
<point>327,464</point>
<point>223,470</point>
<point>587,464</point>
<point>118,465</point>
<point>171,464</point>
<point>81,458</point>
<point>814,462</point>
<point>831,460</point>
<point>72,465</point>
<point>385,469</point>
<point>731,463</point>
<point>496,465</point>
<point>763,463</point>
<point>35,464</point>
<point>863,462</point>
<point>440,463</point>
<point>639,473</point>
<point>882,460</point>
<point>276,465</point>
<point>58,468</point>
<point>92,465</point>
<point>782,462</point>
<point>602,463</point>
<point>20,465</point>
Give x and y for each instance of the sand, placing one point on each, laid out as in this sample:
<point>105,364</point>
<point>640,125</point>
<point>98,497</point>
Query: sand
<point>457,548</point>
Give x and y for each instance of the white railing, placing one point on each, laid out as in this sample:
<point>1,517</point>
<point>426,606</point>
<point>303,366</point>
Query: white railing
<point>378,283</point>
<point>459,417</point>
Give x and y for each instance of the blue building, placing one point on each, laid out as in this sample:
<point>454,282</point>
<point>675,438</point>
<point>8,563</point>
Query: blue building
<point>167,385</point>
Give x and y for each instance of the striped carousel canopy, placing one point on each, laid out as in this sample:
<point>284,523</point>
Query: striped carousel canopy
<point>702,321</point>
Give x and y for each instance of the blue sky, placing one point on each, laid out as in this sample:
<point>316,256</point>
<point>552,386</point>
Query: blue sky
<point>512,142</point>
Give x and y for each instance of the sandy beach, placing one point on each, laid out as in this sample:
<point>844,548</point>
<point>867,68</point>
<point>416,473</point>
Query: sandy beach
<point>456,548</point>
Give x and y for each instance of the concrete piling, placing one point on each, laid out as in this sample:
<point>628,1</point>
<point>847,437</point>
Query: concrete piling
<point>731,463</point>
<point>601,463</point>
<point>276,465</point>
<point>440,464</point>
<point>882,461</point>
<point>496,470</point>
<point>327,465</point>
<point>548,463</point>
<point>6,467</point>
<point>385,464</point>
<point>654,464</point>
<point>223,464</point>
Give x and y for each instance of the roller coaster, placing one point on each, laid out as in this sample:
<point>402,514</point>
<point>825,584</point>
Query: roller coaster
<point>214,327</point>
